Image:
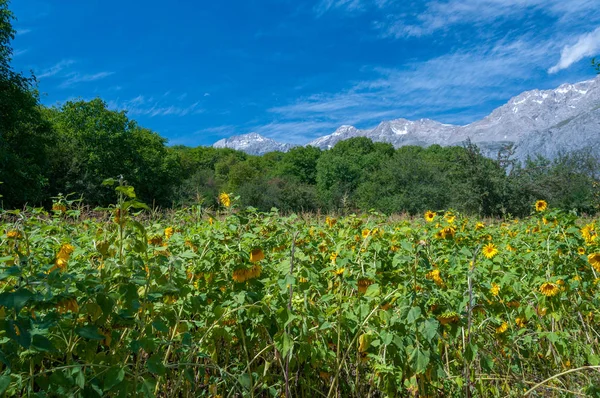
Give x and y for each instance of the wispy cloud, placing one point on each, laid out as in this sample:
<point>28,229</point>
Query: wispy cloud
<point>587,45</point>
<point>143,106</point>
<point>77,78</point>
<point>21,32</point>
<point>20,52</point>
<point>55,69</point>
<point>454,88</point>
<point>406,19</point>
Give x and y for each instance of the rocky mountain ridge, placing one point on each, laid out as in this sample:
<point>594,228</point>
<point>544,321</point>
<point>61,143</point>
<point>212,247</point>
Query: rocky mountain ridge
<point>544,122</point>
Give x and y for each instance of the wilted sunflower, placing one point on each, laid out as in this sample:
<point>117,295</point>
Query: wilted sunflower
<point>490,250</point>
<point>594,260</point>
<point>541,205</point>
<point>448,317</point>
<point>429,216</point>
<point>256,255</point>
<point>330,221</point>
<point>549,289</point>
<point>225,199</point>
<point>521,322</point>
<point>363,284</point>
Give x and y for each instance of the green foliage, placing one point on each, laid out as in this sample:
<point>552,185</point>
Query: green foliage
<point>245,303</point>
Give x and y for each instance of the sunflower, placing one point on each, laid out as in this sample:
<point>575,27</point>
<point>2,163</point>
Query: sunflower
<point>169,232</point>
<point>447,233</point>
<point>521,322</point>
<point>490,250</point>
<point>339,271</point>
<point>448,317</point>
<point>59,207</point>
<point>479,226</point>
<point>495,289</point>
<point>541,205</point>
<point>256,255</point>
<point>225,199</point>
<point>594,260</point>
<point>502,328</point>
<point>549,289</point>
<point>581,251</point>
<point>429,215</point>
<point>363,284</point>
<point>365,233</point>
<point>449,217</point>
<point>589,233</point>
<point>330,221</point>
<point>13,234</point>
<point>333,257</point>
<point>434,275</point>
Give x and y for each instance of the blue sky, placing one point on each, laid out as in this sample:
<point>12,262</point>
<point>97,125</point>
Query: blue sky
<point>199,71</point>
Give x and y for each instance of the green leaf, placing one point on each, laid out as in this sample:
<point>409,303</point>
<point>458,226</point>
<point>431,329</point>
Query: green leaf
<point>4,383</point>
<point>90,332</point>
<point>429,329</point>
<point>42,343</point>
<point>156,366</point>
<point>147,388</point>
<point>419,360</point>
<point>16,299</point>
<point>113,377</point>
<point>245,380</point>
<point>413,314</point>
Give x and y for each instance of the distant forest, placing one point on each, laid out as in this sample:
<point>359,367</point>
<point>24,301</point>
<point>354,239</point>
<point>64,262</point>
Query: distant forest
<point>73,148</point>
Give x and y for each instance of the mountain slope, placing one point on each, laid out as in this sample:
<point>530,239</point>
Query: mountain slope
<point>252,144</point>
<point>547,122</point>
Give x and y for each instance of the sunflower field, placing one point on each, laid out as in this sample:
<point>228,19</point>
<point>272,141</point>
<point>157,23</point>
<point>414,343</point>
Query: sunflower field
<point>232,302</point>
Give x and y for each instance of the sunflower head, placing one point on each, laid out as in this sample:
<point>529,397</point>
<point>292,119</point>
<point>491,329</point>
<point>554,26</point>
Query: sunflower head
<point>594,260</point>
<point>429,216</point>
<point>256,255</point>
<point>541,205</point>
<point>225,199</point>
<point>549,289</point>
<point>490,250</point>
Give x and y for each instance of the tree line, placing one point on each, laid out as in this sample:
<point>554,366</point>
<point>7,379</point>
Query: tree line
<point>73,148</point>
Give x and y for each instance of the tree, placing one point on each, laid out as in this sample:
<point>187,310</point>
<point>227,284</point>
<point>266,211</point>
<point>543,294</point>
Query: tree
<point>24,134</point>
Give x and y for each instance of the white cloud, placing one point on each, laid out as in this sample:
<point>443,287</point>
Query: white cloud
<point>587,45</point>
<point>143,106</point>
<point>18,53</point>
<point>459,87</point>
<point>76,78</point>
<point>21,32</point>
<point>55,69</point>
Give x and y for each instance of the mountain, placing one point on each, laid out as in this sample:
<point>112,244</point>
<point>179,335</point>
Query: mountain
<point>545,122</point>
<point>253,144</point>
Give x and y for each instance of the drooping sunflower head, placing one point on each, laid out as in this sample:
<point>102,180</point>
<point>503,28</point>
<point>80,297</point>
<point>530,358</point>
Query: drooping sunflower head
<point>429,216</point>
<point>549,289</point>
<point>256,255</point>
<point>541,205</point>
<point>594,260</point>
<point>225,199</point>
<point>490,250</point>
<point>330,221</point>
<point>502,328</point>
